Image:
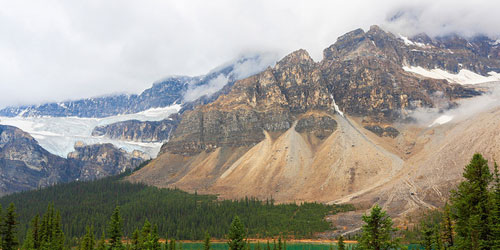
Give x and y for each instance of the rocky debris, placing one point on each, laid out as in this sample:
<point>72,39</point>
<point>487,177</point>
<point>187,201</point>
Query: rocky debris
<point>140,131</point>
<point>385,131</point>
<point>101,160</point>
<point>320,126</point>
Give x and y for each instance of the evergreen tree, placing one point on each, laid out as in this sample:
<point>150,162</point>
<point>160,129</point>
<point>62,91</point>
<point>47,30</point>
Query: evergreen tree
<point>101,244</point>
<point>340,243</point>
<point>438,241</point>
<point>280,245</point>
<point>88,241</point>
<point>377,231</point>
<point>135,240</point>
<point>206,243</point>
<point>153,239</point>
<point>447,228</point>
<point>29,243</point>
<point>471,206</point>
<point>268,247</point>
<point>115,230</point>
<point>496,209</point>
<point>236,235</point>
<point>9,239</point>
<point>427,234</point>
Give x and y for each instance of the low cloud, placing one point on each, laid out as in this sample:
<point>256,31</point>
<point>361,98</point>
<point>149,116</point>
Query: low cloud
<point>242,68</point>
<point>57,50</point>
<point>465,109</point>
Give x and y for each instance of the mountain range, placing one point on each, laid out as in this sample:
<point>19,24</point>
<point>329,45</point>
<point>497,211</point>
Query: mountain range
<point>382,118</point>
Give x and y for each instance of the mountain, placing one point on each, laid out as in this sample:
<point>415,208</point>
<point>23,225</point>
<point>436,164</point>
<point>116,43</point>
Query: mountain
<point>345,129</point>
<point>25,165</point>
<point>164,93</point>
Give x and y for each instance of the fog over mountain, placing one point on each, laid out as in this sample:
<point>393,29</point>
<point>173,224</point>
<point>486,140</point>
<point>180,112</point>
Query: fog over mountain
<point>59,50</point>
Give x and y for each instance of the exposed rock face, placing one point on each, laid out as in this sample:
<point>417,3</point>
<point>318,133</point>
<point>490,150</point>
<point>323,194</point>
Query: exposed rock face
<point>101,160</point>
<point>134,130</point>
<point>25,165</point>
<point>320,126</point>
<point>293,132</point>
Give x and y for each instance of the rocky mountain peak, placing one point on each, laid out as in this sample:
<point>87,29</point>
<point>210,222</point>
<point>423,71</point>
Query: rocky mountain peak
<point>298,57</point>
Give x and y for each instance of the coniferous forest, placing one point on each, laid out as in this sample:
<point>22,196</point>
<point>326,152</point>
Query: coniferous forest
<point>177,214</point>
<point>112,214</point>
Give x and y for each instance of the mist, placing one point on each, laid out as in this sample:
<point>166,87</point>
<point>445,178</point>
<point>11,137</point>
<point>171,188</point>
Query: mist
<point>465,109</point>
<point>57,50</point>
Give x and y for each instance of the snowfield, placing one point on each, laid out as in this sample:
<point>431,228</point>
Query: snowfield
<point>58,135</point>
<point>463,77</point>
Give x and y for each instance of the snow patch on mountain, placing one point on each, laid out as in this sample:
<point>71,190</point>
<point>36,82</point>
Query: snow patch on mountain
<point>408,42</point>
<point>58,135</point>
<point>463,77</point>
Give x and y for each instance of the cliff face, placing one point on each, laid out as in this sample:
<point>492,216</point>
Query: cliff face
<point>330,131</point>
<point>25,165</point>
<point>140,131</point>
<point>101,160</point>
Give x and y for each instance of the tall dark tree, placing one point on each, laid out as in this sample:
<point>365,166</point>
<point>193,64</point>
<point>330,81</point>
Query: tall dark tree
<point>340,243</point>
<point>447,228</point>
<point>9,238</point>
<point>496,208</point>
<point>377,231</point>
<point>237,235</point>
<point>427,237</point>
<point>471,206</point>
<point>88,241</point>
<point>206,242</point>
<point>136,245</point>
<point>115,230</point>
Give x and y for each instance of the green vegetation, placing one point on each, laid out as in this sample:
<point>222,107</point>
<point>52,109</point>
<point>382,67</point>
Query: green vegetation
<point>177,214</point>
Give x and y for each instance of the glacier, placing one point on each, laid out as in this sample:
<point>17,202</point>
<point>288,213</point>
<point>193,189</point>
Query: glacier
<point>58,135</point>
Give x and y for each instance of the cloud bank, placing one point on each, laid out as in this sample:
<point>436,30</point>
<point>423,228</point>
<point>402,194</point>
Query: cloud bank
<point>56,50</point>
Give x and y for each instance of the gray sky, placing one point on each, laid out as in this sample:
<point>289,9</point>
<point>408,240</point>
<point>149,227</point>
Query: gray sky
<point>58,50</point>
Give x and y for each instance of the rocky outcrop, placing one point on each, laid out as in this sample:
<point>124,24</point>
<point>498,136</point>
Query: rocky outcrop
<point>140,131</point>
<point>101,160</point>
<point>326,131</point>
<point>25,165</point>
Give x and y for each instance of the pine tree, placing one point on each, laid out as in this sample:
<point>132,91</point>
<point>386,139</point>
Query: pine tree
<point>9,239</point>
<point>258,247</point>
<point>88,241</point>
<point>101,245</point>
<point>135,240</point>
<point>268,247</point>
<point>29,243</point>
<point>171,246</point>
<point>206,243</point>
<point>236,235</point>
<point>340,243</point>
<point>447,228</point>
<point>438,241</point>
<point>153,239</point>
<point>427,234</point>
<point>280,245</point>
<point>471,206</point>
<point>115,230</point>
<point>57,233</point>
<point>377,231</point>
<point>496,209</point>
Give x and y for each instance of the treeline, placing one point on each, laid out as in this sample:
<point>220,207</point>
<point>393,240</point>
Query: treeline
<point>471,219</point>
<point>177,214</point>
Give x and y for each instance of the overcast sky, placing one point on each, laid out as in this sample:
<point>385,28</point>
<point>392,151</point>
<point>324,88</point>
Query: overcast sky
<point>58,50</point>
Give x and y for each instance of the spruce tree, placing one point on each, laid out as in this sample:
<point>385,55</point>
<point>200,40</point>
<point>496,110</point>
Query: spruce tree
<point>88,241</point>
<point>471,206</point>
<point>101,244</point>
<point>206,243</point>
<point>427,234</point>
<point>135,240</point>
<point>268,247</point>
<point>9,238</point>
<point>447,228</point>
<point>340,243</point>
<point>115,230</point>
<point>28,243</point>
<point>495,220</point>
<point>237,235</point>
<point>377,231</point>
